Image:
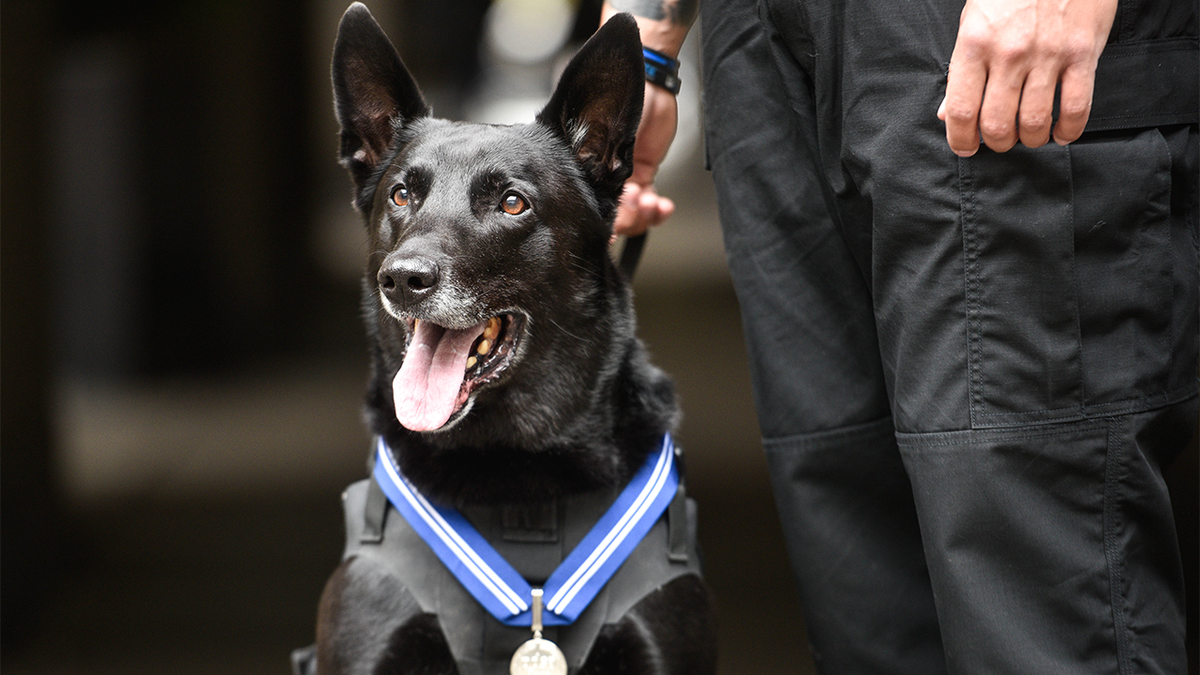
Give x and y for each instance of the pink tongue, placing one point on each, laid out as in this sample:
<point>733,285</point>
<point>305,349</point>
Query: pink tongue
<point>427,386</point>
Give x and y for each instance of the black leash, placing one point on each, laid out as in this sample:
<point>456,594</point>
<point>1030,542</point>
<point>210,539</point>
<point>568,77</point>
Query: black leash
<point>631,254</point>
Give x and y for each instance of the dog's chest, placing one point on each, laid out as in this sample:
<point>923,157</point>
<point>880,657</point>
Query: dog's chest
<point>534,540</point>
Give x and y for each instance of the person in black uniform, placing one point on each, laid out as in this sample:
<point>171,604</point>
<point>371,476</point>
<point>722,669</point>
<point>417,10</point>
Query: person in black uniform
<point>964,241</point>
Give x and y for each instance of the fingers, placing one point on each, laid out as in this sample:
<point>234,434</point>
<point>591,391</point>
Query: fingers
<point>652,208</point>
<point>983,95</point>
<point>641,208</point>
<point>1037,107</point>
<point>1015,107</point>
<point>1022,113</point>
<point>960,108</point>
<point>1008,58</point>
<point>1075,102</point>
<point>998,114</point>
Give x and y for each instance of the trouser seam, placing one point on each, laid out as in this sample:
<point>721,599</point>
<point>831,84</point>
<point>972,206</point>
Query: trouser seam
<point>1041,428</point>
<point>957,439</point>
<point>966,187</point>
<point>1114,476</point>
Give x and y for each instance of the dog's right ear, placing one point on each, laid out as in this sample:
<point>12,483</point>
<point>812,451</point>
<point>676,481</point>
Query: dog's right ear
<point>373,92</point>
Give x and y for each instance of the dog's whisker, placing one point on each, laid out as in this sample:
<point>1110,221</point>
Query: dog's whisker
<point>565,331</point>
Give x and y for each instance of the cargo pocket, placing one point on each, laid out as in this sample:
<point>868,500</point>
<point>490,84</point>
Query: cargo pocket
<point>1068,278</point>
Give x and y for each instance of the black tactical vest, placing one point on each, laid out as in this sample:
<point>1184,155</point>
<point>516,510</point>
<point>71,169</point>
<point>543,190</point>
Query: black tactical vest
<point>534,540</point>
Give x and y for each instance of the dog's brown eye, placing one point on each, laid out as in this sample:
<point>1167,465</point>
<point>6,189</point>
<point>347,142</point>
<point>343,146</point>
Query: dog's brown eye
<point>513,204</point>
<point>400,196</point>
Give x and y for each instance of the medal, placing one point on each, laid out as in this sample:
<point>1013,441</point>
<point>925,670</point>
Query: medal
<point>538,656</point>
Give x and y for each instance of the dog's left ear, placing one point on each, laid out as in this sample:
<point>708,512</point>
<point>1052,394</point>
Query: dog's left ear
<point>598,104</point>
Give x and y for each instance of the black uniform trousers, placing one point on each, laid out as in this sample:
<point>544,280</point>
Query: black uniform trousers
<point>969,373</point>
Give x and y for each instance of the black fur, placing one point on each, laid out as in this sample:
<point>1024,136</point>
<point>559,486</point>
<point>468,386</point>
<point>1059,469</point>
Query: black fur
<point>579,407</point>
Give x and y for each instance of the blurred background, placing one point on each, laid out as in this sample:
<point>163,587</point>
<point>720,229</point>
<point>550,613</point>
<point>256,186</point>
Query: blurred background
<point>183,361</point>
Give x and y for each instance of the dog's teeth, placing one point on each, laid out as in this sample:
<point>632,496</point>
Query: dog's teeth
<point>493,328</point>
<point>485,345</point>
<point>471,361</point>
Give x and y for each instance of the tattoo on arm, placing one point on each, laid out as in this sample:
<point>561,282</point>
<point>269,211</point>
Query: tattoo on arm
<point>679,12</point>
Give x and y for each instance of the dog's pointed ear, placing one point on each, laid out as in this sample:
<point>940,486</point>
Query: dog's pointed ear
<point>373,92</point>
<point>597,105</point>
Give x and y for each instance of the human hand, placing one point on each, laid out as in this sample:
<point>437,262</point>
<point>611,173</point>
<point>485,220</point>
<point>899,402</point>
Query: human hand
<point>1009,57</point>
<point>641,206</point>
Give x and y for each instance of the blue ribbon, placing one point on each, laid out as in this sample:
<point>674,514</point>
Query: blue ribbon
<point>495,583</point>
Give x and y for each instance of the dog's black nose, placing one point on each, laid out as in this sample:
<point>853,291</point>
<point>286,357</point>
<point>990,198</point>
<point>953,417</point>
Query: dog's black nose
<point>407,280</point>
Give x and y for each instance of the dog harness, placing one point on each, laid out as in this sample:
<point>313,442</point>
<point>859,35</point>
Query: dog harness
<point>535,540</point>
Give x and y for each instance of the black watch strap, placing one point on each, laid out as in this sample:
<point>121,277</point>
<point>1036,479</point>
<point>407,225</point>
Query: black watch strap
<point>661,70</point>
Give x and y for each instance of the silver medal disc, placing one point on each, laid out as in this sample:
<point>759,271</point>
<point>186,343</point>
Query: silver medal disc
<point>538,657</point>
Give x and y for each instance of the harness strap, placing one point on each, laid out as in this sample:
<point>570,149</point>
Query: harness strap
<point>677,527</point>
<point>374,515</point>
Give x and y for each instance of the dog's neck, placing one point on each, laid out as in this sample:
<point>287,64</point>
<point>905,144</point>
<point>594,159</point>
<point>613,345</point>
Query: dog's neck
<point>636,414</point>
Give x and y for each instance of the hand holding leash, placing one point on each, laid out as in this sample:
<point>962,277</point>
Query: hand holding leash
<point>641,206</point>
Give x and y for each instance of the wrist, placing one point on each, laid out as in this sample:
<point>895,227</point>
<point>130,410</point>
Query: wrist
<point>661,35</point>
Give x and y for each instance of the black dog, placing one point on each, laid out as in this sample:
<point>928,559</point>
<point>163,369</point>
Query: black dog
<point>506,378</point>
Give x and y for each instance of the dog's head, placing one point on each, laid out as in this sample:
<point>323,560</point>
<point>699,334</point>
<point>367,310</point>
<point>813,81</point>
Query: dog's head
<point>489,286</point>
